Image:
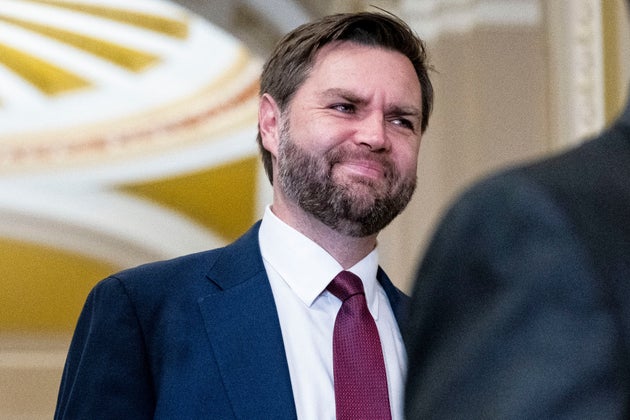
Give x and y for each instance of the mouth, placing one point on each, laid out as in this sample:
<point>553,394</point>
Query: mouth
<point>363,168</point>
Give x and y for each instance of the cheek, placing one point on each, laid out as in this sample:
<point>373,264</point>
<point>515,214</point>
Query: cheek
<point>317,134</point>
<point>407,160</point>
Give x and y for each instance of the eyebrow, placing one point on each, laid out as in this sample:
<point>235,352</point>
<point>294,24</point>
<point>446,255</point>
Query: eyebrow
<point>406,110</point>
<point>345,94</point>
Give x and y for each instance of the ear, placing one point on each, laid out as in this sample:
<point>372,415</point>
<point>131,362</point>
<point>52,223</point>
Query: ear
<point>269,123</point>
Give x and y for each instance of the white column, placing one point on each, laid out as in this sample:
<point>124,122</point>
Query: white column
<point>576,70</point>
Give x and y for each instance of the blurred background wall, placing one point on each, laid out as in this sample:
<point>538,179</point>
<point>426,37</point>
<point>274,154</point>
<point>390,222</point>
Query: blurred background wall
<point>127,134</point>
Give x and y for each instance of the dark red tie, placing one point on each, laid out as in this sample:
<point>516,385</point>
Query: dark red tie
<point>359,368</point>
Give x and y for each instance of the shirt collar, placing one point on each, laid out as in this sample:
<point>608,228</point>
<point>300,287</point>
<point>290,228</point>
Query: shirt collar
<point>305,266</point>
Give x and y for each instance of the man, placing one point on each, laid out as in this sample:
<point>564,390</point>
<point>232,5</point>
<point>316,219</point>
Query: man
<point>246,331</point>
<point>521,308</point>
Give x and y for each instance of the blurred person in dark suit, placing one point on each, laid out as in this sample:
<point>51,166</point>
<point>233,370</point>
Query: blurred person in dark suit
<point>521,306</point>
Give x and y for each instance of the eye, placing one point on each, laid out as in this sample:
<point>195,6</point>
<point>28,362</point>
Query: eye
<point>403,122</point>
<point>344,107</point>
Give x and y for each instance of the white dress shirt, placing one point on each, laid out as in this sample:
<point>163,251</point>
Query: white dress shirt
<point>299,271</point>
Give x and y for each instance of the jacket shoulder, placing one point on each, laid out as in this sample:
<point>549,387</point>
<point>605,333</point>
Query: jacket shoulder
<point>192,273</point>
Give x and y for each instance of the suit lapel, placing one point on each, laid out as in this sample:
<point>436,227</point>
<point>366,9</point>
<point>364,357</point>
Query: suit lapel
<point>244,332</point>
<point>397,299</point>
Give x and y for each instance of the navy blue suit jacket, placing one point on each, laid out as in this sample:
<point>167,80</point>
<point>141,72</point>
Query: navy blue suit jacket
<point>521,308</point>
<point>193,337</point>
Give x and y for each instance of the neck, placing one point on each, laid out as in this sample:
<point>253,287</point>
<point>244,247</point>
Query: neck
<point>346,250</point>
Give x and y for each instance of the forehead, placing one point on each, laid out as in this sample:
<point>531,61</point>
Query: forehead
<point>365,70</point>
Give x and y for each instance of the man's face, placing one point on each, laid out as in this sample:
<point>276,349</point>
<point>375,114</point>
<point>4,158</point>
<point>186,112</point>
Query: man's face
<point>350,137</point>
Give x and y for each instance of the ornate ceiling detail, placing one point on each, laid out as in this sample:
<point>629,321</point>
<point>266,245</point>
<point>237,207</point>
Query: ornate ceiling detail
<point>432,19</point>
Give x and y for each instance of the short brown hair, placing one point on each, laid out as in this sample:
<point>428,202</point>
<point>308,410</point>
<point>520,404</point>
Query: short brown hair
<point>293,57</point>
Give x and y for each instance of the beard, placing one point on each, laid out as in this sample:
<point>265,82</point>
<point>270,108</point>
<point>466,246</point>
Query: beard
<point>359,207</point>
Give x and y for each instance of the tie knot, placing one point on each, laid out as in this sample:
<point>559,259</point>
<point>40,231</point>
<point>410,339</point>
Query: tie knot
<point>345,285</point>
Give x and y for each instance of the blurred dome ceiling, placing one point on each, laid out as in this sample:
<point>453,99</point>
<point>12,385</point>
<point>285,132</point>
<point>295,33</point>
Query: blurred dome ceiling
<point>87,82</point>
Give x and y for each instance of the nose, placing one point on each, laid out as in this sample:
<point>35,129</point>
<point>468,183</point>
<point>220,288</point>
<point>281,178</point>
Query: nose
<point>372,133</point>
